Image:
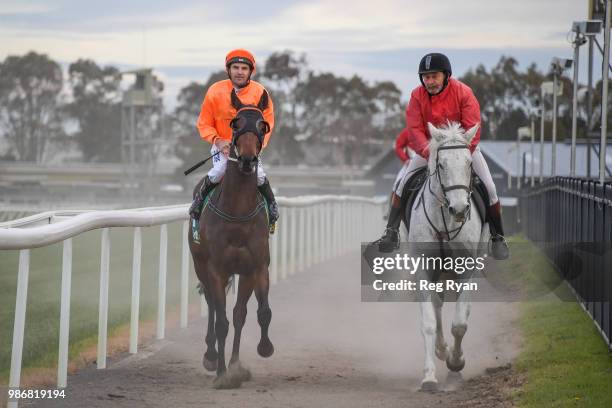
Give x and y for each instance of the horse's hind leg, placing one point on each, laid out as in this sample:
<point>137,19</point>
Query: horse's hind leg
<point>245,289</point>
<point>264,313</point>
<point>455,360</point>
<point>210,356</point>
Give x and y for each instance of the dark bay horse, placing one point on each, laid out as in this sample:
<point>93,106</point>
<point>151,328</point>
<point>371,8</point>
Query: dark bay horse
<point>234,241</point>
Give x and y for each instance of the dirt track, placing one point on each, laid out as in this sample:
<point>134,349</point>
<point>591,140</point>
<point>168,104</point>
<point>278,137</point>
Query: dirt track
<point>330,350</point>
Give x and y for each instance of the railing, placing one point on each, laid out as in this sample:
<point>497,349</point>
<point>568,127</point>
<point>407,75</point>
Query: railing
<point>311,230</point>
<point>568,216</point>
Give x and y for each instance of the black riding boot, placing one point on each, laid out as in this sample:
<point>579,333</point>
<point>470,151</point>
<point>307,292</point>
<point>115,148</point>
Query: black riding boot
<point>196,207</point>
<point>499,247</point>
<point>267,192</point>
<point>391,239</point>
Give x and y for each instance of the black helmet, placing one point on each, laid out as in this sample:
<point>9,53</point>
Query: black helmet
<point>435,62</point>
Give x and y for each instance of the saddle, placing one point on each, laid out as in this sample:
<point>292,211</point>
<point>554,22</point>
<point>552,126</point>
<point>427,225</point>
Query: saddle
<point>418,179</point>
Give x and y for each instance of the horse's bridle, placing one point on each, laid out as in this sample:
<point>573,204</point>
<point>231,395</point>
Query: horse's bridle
<point>444,201</point>
<point>253,123</point>
<point>445,190</point>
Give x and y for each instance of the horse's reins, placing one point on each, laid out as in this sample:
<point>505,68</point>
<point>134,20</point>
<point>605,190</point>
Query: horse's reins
<point>444,202</point>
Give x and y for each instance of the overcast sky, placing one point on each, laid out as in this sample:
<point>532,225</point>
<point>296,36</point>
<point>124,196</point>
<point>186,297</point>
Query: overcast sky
<point>379,40</point>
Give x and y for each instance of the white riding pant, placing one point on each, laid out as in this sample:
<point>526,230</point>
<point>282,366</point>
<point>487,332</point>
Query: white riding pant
<point>220,164</point>
<point>479,164</point>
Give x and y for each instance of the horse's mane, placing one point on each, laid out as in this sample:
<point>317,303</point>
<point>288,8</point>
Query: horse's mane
<point>454,134</point>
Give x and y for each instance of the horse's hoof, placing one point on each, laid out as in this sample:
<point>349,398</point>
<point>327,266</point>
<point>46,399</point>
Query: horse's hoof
<point>209,363</point>
<point>454,381</point>
<point>226,382</point>
<point>429,386</point>
<point>240,372</point>
<point>265,348</point>
<point>455,364</point>
<point>442,352</point>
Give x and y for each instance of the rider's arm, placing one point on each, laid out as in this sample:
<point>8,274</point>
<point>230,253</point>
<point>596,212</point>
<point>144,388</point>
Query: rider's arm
<point>470,115</point>
<point>269,117</point>
<point>206,120</point>
<point>417,139</point>
<point>400,143</point>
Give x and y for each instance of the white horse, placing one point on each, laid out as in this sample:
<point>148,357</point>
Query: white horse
<point>444,211</point>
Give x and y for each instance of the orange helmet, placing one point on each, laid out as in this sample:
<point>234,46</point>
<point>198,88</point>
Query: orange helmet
<point>240,55</point>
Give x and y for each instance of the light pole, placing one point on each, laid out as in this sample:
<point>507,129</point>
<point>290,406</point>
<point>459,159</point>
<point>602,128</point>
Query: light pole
<point>604,96</point>
<point>522,132</point>
<point>558,65</point>
<point>578,41</point>
<point>532,117</point>
<point>546,88</point>
<point>582,30</point>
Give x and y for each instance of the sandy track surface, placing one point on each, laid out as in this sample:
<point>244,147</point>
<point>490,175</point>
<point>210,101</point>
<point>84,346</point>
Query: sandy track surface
<point>330,350</point>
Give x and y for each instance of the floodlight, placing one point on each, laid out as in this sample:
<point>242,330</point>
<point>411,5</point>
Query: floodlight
<point>561,63</point>
<point>587,27</point>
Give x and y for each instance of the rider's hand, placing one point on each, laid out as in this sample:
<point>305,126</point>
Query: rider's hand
<point>223,146</point>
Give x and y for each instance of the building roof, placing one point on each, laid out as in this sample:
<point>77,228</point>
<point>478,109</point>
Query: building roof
<point>504,153</point>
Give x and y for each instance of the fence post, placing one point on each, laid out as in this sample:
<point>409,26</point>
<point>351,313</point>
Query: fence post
<point>19,324</point>
<point>283,251</point>
<point>185,276</point>
<point>293,241</point>
<point>135,306</point>
<point>301,241</point>
<point>62,362</point>
<point>161,282</point>
<point>103,301</point>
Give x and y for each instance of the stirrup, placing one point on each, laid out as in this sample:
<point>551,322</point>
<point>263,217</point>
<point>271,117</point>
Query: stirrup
<point>272,228</point>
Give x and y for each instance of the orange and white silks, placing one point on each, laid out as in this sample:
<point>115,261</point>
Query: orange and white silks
<point>217,110</point>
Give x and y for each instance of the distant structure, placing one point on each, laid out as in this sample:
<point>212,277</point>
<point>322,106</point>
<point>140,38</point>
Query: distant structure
<point>142,129</point>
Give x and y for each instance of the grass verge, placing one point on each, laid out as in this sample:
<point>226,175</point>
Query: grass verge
<point>564,360</point>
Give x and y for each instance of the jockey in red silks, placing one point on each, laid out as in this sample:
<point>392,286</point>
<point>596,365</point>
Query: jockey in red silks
<point>438,100</point>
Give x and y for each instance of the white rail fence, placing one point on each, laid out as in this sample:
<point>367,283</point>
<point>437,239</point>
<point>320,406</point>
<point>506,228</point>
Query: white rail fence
<point>312,229</point>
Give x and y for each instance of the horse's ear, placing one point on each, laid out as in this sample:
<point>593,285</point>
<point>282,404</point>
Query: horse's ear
<point>236,103</point>
<point>469,135</point>
<point>435,133</point>
<point>262,105</point>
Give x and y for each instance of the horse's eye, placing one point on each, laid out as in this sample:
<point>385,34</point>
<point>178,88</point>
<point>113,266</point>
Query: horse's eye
<point>263,126</point>
<point>237,123</point>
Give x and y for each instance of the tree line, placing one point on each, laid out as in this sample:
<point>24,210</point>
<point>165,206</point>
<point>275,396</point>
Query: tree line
<point>321,118</point>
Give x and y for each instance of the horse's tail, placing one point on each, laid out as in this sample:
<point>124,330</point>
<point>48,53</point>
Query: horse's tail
<point>230,283</point>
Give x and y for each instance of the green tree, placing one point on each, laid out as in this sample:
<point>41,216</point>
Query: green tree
<point>96,108</point>
<point>190,148</point>
<point>281,74</point>
<point>30,86</point>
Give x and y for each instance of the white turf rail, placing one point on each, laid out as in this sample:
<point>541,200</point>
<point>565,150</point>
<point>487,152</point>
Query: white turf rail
<point>312,229</point>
